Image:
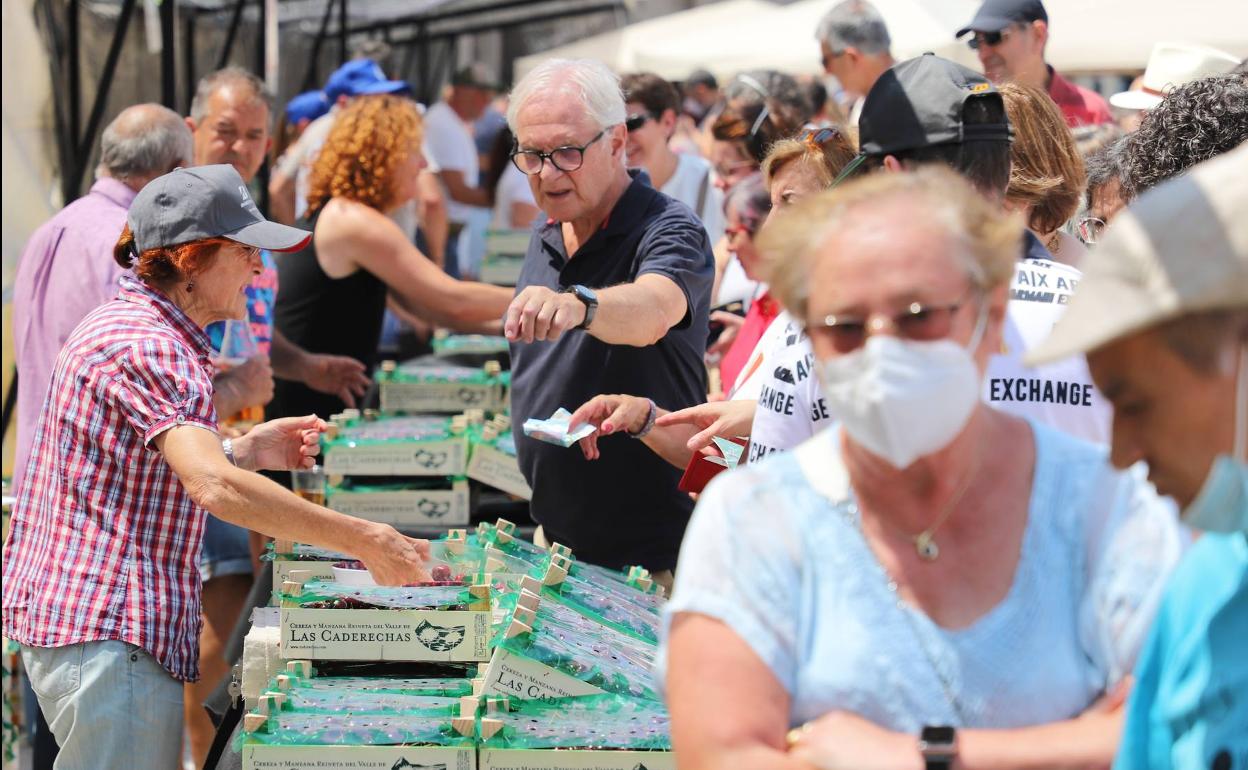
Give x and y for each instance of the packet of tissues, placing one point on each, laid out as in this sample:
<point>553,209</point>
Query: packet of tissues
<point>555,430</point>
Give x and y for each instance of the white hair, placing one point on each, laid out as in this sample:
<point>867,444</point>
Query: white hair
<point>590,82</point>
<point>854,24</point>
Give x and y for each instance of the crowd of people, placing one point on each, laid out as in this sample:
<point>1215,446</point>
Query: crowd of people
<point>985,343</point>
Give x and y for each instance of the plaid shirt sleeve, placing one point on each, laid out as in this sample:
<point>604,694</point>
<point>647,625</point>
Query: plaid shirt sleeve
<point>159,387</point>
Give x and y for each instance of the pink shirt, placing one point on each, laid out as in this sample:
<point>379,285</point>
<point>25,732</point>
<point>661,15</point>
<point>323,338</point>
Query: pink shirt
<point>66,271</point>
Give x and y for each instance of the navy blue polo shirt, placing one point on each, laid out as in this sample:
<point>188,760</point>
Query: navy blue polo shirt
<point>623,508</point>
<point>1033,248</point>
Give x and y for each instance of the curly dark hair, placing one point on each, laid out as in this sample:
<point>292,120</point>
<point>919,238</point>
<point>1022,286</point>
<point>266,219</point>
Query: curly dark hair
<point>1197,121</point>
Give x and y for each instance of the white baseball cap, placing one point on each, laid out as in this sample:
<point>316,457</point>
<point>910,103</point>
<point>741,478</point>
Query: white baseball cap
<point>1181,248</point>
<point>1170,66</point>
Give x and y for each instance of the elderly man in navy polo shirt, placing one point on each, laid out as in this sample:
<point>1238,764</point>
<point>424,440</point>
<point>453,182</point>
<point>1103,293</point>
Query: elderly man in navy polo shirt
<point>613,298</point>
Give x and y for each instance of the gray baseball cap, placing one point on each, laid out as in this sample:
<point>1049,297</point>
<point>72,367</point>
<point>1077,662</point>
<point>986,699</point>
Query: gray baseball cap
<point>191,204</point>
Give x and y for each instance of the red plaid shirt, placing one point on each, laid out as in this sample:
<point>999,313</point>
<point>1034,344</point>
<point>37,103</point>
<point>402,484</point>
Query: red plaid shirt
<point>105,542</point>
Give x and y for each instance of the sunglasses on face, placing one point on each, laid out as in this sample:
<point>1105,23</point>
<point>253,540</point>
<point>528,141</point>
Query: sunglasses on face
<point>917,322</point>
<point>827,59</point>
<point>637,120</point>
<point>989,39</point>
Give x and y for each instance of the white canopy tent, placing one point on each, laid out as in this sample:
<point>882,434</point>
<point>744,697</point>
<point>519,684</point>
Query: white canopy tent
<point>1118,35</point>
<point>736,35</point>
<point>618,48</point>
<point>784,38</point>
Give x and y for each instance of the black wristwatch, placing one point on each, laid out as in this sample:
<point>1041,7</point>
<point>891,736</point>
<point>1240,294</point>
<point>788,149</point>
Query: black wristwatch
<point>586,295</point>
<point>939,746</point>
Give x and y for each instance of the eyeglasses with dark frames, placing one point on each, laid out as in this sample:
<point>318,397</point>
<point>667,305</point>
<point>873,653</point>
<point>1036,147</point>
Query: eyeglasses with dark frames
<point>917,322</point>
<point>567,159</point>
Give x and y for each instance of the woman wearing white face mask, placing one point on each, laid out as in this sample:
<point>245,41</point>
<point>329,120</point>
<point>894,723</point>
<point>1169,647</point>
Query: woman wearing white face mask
<point>934,582</point>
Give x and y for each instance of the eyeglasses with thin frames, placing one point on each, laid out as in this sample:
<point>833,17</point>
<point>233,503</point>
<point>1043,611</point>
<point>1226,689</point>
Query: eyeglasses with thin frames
<point>567,159</point>
<point>917,322</point>
<point>1091,229</point>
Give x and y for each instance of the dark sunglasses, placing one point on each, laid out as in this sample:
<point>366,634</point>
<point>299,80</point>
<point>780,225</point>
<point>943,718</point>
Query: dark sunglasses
<point>817,136</point>
<point>990,39</point>
<point>636,121</point>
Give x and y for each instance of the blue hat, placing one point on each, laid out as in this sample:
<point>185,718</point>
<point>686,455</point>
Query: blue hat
<point>360,77</point>
<point>309,105</point>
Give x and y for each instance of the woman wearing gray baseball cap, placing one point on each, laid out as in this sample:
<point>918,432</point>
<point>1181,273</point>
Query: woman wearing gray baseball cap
<point>102,587</point>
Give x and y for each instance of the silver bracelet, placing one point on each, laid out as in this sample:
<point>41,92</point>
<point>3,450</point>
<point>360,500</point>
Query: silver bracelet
<point>228,446</point>
<point>645,429</point>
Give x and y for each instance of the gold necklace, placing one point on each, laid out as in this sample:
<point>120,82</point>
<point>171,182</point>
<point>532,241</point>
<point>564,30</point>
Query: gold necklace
<point>925,542</point>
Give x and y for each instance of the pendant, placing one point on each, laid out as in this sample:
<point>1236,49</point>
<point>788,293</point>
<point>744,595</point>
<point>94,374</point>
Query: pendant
<point>926,547</point>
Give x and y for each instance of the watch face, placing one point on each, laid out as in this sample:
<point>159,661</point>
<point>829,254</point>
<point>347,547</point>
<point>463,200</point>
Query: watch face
<point>938,735</point>
<point>586,294</point>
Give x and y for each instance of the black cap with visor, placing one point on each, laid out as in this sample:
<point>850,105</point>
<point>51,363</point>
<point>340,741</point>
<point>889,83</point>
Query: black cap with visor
<point>996,15</point>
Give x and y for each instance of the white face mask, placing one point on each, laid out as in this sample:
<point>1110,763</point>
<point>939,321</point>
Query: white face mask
<point>902,399</point>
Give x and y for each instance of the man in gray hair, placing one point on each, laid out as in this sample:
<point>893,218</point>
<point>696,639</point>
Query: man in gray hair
<point>612,298</point>
<point>67,268</point>
<point>855,45</point>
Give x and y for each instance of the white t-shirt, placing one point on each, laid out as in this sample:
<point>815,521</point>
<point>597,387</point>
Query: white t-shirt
<point>735,285</point>
<point>1061,395</point>
<point>299,158</point>
<point>513,187</point>
<point>770,346</point>
<point>449,145</point>
<point>693,182</point>
<point>791,408</point>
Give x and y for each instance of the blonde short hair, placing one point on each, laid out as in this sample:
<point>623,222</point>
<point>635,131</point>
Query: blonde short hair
<point>988,240</point>
<point>826,159</point>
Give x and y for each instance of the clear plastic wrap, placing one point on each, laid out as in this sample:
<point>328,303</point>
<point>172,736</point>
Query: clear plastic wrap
<point>568,641</point>
<point>323,594</point>
<point>290,729</point>
<point>588,722</point>
<point>312,701</point>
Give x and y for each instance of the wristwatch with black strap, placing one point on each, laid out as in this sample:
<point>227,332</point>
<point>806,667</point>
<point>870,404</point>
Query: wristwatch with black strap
<point>939,746</point>
<point>587,296</point>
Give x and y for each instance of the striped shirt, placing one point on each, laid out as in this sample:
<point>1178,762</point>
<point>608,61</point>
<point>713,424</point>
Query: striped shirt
<point>105,542</point>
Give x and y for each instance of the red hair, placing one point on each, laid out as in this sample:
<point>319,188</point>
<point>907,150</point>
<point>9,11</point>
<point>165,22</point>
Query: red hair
<point>165,264</point>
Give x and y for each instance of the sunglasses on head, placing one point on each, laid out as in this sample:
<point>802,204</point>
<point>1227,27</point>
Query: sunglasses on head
<point>815,137</point>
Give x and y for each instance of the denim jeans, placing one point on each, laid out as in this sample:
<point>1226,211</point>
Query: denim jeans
<point>109,704</point>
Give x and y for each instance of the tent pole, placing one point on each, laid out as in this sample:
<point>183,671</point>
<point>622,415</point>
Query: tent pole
<point>235,20</point>
<point>168,66</point>
<point>310,76</point>
<point>101,95</point>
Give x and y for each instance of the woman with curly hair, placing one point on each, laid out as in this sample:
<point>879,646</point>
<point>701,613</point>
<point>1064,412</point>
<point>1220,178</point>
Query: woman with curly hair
<point>333,294</point>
